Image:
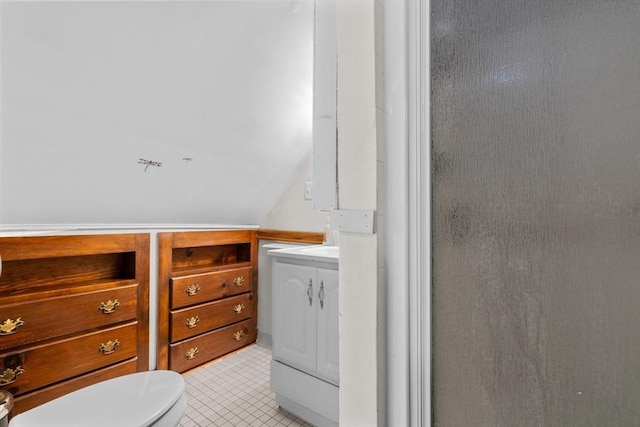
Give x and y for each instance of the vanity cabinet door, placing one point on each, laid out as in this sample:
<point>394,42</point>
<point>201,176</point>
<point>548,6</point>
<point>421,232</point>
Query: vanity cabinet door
<point>327,326</point>
<point>294,315</point>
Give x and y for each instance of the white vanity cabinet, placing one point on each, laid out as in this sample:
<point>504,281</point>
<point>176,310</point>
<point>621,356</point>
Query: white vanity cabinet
<point>306,319</point>
<point>305,369</point>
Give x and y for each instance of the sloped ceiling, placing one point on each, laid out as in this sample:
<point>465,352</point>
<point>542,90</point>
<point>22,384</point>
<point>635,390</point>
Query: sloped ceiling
<point>216,94</point>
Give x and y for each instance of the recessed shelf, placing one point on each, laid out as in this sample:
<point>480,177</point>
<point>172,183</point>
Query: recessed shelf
<point>42,274</point>
<point>199,257</point>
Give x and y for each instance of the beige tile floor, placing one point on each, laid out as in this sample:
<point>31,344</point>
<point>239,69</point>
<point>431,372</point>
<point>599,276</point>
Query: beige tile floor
<point>234,392</point>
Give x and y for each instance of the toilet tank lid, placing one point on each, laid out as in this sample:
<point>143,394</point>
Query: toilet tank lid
<point>137,399</point>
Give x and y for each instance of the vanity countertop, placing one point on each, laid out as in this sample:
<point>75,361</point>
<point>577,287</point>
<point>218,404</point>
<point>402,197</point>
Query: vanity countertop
<point>310,252</point>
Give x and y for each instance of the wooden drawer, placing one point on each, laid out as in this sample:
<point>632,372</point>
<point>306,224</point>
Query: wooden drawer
<point>43,395</point>
<point>55,317</point>
<point>193,321</point>
<point>46,364</point>
<point>199,288</point>
<point>193,352</point>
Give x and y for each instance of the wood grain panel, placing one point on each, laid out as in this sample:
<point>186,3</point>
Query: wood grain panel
<point>165,259</point>
<point>31,400</point>
<point>142,242</point>
<point>290,236</point>
<point>53,317</point>
<point>211,316</point>
<point>34,275</point>
<point>210,256</point>
<point>211,286</point>
<point>212,345</point>
<point>24,248</point>
<point>208,238</point>
<point>47,364</point>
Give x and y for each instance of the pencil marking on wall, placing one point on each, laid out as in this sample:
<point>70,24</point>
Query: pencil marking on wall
<point>149,163</point>
<point>187,159</point>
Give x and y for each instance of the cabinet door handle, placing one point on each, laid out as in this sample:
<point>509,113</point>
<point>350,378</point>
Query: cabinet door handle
<point>238,308</point>
<point>321,294</point>
<point>310,292</point>
<point>238,281</point>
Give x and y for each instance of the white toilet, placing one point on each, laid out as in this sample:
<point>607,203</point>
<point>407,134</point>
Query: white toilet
<point>153,398</point>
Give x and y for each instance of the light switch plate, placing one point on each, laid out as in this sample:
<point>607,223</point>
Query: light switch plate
<point>308,190</point>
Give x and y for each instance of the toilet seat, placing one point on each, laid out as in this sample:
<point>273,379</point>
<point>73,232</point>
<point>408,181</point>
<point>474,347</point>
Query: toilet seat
<point>135,400</point>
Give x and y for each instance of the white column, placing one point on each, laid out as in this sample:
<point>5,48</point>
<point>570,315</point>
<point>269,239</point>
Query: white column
<point>357,182</point>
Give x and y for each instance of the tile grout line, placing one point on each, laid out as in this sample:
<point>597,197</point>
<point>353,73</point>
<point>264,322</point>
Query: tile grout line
<point>234,392</point>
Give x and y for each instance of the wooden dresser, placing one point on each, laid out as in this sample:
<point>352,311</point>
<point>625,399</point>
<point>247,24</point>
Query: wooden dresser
<point>207,295</point>
<point>73,312</point>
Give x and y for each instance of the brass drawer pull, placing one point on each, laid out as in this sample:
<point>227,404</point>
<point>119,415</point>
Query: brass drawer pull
<point>191,353</point>
<point>109,306</point>
<point>238,308</point>
<point>10,375</point>
<point>109,347</point>
<point>10,326</point>
<point>193,289</point>
<point>237,336</point>
<point>192,322</point>
<point>238,281</point>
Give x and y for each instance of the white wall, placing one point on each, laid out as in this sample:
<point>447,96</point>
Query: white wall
<point>292,211</point>
<point>89,88</point>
